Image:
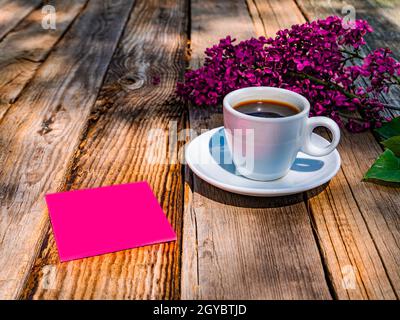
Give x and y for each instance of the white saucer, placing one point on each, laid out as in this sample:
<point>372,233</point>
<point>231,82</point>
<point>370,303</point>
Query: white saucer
<point>209,158</point>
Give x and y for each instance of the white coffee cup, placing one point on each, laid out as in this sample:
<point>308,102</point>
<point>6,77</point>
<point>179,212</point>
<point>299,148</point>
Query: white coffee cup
<point>266,148</point>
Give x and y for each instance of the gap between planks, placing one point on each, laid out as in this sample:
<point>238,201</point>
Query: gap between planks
<point>12,12</point>
<point>21,58</point>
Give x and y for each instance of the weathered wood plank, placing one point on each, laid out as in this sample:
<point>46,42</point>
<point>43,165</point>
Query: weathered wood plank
<point>39,134</point>
<point>272,15</point>
<point>235,246</point>
<point>13,12</point>
<point>351,219</point>
<point>359,230</point>
<point>116,148</point>
<point>27,46</point>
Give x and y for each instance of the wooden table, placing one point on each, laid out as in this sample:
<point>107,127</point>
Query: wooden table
<point>76,107</point>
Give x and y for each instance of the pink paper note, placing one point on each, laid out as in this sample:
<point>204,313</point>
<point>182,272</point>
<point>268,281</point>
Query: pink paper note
<point>95,221</point>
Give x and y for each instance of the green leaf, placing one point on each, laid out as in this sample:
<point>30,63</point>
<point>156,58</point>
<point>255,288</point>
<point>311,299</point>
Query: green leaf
<point>393,144</point>
<point>386,168</point>
<point>389,129</point>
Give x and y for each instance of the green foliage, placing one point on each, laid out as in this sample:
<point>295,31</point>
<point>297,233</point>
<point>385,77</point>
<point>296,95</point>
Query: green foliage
<point>386,168</point>
<point>389,129</point>
<point>393,144</point>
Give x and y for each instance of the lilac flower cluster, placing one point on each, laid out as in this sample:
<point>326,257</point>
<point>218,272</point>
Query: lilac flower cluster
<point>320,60</point>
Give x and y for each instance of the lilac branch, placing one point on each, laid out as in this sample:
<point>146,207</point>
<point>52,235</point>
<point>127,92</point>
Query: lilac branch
<point>327,84</point>
<point>332,85</point>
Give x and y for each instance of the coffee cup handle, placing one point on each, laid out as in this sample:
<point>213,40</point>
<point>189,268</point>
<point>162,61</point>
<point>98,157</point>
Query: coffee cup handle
<point>312,149</point>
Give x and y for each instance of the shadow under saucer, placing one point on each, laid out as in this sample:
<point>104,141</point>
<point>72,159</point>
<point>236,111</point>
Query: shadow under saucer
<point>233,199</point>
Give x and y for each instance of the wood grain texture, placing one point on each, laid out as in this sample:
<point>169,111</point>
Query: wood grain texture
<point>238,247</point>
<point>359,227</point>
<point>13,12</point>
<point>126,141</point>
<point>39,134</point>
<point>27,46</point>
<point>272,15</point>
<point>354,224</point>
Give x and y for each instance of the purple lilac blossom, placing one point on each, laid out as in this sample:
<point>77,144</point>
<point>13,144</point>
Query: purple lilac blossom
<point>320,60</point>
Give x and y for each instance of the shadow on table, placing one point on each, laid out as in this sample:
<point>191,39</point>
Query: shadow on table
<point>228,198</point>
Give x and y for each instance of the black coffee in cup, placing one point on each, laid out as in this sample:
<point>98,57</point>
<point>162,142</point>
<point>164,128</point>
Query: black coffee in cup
<point>266,108</point>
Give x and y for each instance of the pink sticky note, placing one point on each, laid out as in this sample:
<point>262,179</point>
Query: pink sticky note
<point>95,221</point>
